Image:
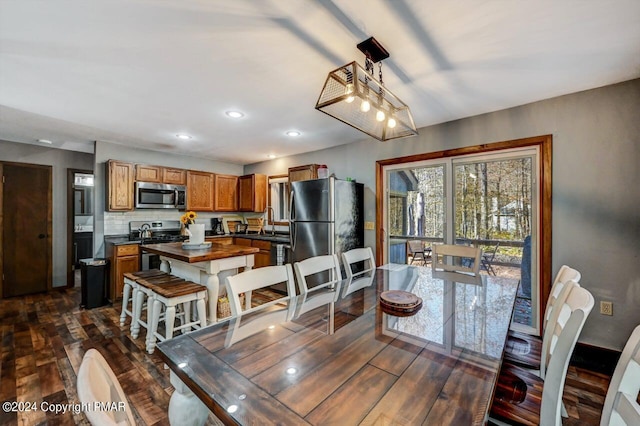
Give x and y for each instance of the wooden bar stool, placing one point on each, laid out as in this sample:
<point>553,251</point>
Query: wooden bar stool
<point>129,292</point>
<point>144,293</point>
<point>168,296</point>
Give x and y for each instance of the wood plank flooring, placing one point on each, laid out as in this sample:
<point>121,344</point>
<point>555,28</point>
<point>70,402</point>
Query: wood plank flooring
<point>45,336</point>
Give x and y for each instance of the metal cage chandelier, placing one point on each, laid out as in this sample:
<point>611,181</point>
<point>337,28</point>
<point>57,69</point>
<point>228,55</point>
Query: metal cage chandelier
<point>352,95</point>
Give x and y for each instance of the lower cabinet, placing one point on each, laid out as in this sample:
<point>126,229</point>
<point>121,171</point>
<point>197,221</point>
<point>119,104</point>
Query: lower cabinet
<point>263,257</point>
<point>123,258</point>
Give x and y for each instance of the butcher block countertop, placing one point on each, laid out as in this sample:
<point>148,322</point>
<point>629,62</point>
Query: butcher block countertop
<point>215,252</point>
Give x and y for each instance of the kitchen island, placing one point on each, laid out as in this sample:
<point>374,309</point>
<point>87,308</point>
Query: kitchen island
<point>203,265</point>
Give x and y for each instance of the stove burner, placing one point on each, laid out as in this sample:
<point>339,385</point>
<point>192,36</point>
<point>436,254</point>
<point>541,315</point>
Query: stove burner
<point>164,239</point>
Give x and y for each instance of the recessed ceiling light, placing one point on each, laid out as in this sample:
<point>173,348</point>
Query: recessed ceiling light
<point>293,133</point>
<point>47,141</point>
<point>272,156</point>
<point>183,136</point>
<point>234,114</point>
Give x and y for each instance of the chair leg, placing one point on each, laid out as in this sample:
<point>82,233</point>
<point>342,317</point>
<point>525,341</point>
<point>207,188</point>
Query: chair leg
<point>169,320</point>
<point>125,302</point>
<point>151,341</point>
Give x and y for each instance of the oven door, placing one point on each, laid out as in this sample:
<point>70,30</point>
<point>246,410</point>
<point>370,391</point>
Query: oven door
<point>149,261</point>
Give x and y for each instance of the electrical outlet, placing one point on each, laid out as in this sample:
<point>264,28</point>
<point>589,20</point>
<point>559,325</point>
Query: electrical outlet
<point>370,226</point>
<point>606,308</point>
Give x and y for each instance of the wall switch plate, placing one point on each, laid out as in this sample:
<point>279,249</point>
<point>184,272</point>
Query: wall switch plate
<point>606,308</point>
<point>369,226</point>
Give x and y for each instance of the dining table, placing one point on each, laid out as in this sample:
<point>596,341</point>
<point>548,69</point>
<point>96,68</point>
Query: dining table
<point>339,356</point>
<point>206,265</point>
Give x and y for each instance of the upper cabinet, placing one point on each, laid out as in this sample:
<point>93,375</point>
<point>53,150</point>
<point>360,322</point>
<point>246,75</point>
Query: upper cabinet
<point>174,176</point>
<point>119,186</point>
<point>157,174</point>
<point>226,193</point>
<point>309,171</point>
<point>252,190</point>
<point>200,187</point>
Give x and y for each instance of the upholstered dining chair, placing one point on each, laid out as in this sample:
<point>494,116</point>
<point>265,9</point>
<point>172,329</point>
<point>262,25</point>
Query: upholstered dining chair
<point>354,256</point>
<point>469,262</point>
<point>321,271</point>
<point>525,350</point>
<point>254,279</point>
<point>96,382</point>
<point>621,403</point>
<point>523,397</point>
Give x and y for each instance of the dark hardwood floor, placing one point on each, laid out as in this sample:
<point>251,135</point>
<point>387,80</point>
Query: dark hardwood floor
<point>45,336</point>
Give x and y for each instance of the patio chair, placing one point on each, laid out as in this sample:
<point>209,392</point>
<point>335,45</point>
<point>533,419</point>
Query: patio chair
<point>487,260</point>
<point>417,251</point>
<point>466,259</point>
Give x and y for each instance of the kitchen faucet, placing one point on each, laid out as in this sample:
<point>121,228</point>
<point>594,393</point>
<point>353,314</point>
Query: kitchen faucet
<point>273,219</point>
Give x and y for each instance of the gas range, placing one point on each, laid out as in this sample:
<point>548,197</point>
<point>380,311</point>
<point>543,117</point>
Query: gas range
<point>166,231</point>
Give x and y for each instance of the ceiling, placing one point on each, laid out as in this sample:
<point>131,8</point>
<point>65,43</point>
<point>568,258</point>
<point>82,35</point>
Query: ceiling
<point>138,73</point>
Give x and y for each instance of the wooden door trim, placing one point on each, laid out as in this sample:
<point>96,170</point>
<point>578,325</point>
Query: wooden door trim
<point>49,169</point>
<point>544,142</point>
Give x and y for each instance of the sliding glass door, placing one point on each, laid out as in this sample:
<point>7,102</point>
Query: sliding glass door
<point>487,200</point>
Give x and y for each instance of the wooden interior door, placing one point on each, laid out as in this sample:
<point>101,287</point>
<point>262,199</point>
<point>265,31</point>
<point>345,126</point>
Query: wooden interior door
<point>26,230</point>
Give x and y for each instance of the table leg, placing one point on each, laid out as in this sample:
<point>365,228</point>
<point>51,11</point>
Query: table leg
<point>212,283</point>
<point>184,407</point>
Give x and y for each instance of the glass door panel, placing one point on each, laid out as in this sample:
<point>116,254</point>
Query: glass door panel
<point>494,205</point>
<point>415,212</point>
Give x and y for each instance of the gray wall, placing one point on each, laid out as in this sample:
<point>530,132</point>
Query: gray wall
<point>596,195</point>
<point>60,161</point>
<point>109,151</point>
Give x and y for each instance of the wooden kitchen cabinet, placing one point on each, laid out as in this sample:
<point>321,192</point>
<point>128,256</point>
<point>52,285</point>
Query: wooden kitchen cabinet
<point>119,186</point>
<point>123,258</point>
<point>309,171</point>
<point>200,186</point>
<point>145,173</point>
<point>174,176</point>
<point>263,257</point>
<point>158,174</point>
<point>226,193</point>
<point>252,193</point>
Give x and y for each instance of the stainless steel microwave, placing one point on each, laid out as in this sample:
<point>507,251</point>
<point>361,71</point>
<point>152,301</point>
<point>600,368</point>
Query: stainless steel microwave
<point>160,196</point>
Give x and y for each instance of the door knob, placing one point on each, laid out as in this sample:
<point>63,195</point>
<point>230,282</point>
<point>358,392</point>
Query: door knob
<point>41,236</point>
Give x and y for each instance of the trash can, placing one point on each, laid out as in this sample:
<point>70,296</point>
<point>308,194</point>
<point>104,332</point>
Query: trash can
<point>94,276</point>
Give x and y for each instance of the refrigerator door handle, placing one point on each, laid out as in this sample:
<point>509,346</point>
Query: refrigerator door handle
<point>292,215</point>
<point>292,233</point>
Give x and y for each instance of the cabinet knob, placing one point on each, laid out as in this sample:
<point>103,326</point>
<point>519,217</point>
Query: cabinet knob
<point>41,236</point>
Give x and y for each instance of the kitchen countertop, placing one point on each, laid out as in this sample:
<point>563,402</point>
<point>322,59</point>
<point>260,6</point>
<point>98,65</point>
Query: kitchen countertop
<point>215,252</point>
<point>119,240</point>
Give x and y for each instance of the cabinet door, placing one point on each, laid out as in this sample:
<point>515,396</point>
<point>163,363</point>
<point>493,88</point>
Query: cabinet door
<point>174,176</point>
<point>252,193</point>
<point>309,171</point>
<point>226,193</point>
<point>120,186</point>
<point>146,173</point>
<point>123,264</point>
<point>199,191</point>
<point>242,242</point>
<point>262,258</point>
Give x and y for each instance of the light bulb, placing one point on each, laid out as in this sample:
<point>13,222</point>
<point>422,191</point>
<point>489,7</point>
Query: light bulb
<point>380,116</point>
<point>391,123</point>
<point>365,106</point>
<point>348,91</point>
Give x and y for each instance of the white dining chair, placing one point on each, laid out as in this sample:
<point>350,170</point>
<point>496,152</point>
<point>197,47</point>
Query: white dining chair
<point>351,258</point>
<point>621,403</point>
<point>523,397</point>
<point>254,279</point>
<point>322,271</point>
<point>96,382</point>
<point>526,350</point>
<point>468,262</point>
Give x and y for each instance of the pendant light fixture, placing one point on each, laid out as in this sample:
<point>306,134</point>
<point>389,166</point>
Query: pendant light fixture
<point>352,95</point>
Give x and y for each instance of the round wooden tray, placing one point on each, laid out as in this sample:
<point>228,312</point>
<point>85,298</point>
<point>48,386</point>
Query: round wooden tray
<point>399,299</point>
<point>400,312</point>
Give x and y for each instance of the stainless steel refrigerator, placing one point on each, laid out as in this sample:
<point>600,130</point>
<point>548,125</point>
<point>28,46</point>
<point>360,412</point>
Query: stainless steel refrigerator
<point>326,216</point>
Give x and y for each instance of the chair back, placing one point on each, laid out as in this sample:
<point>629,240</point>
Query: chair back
<point>97,383</point>
<point>254,279</point>
<point>573,314</point>
<point>414,246</point>
<point>248,324</point>
<point>469,262</point>
<point>324,269</point>
<point>621,404</point>
<point>351,257</point>
<point>565,274</point>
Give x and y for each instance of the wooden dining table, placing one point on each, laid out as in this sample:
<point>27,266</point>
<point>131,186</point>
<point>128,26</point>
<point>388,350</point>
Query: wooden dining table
<point>334,356</point>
